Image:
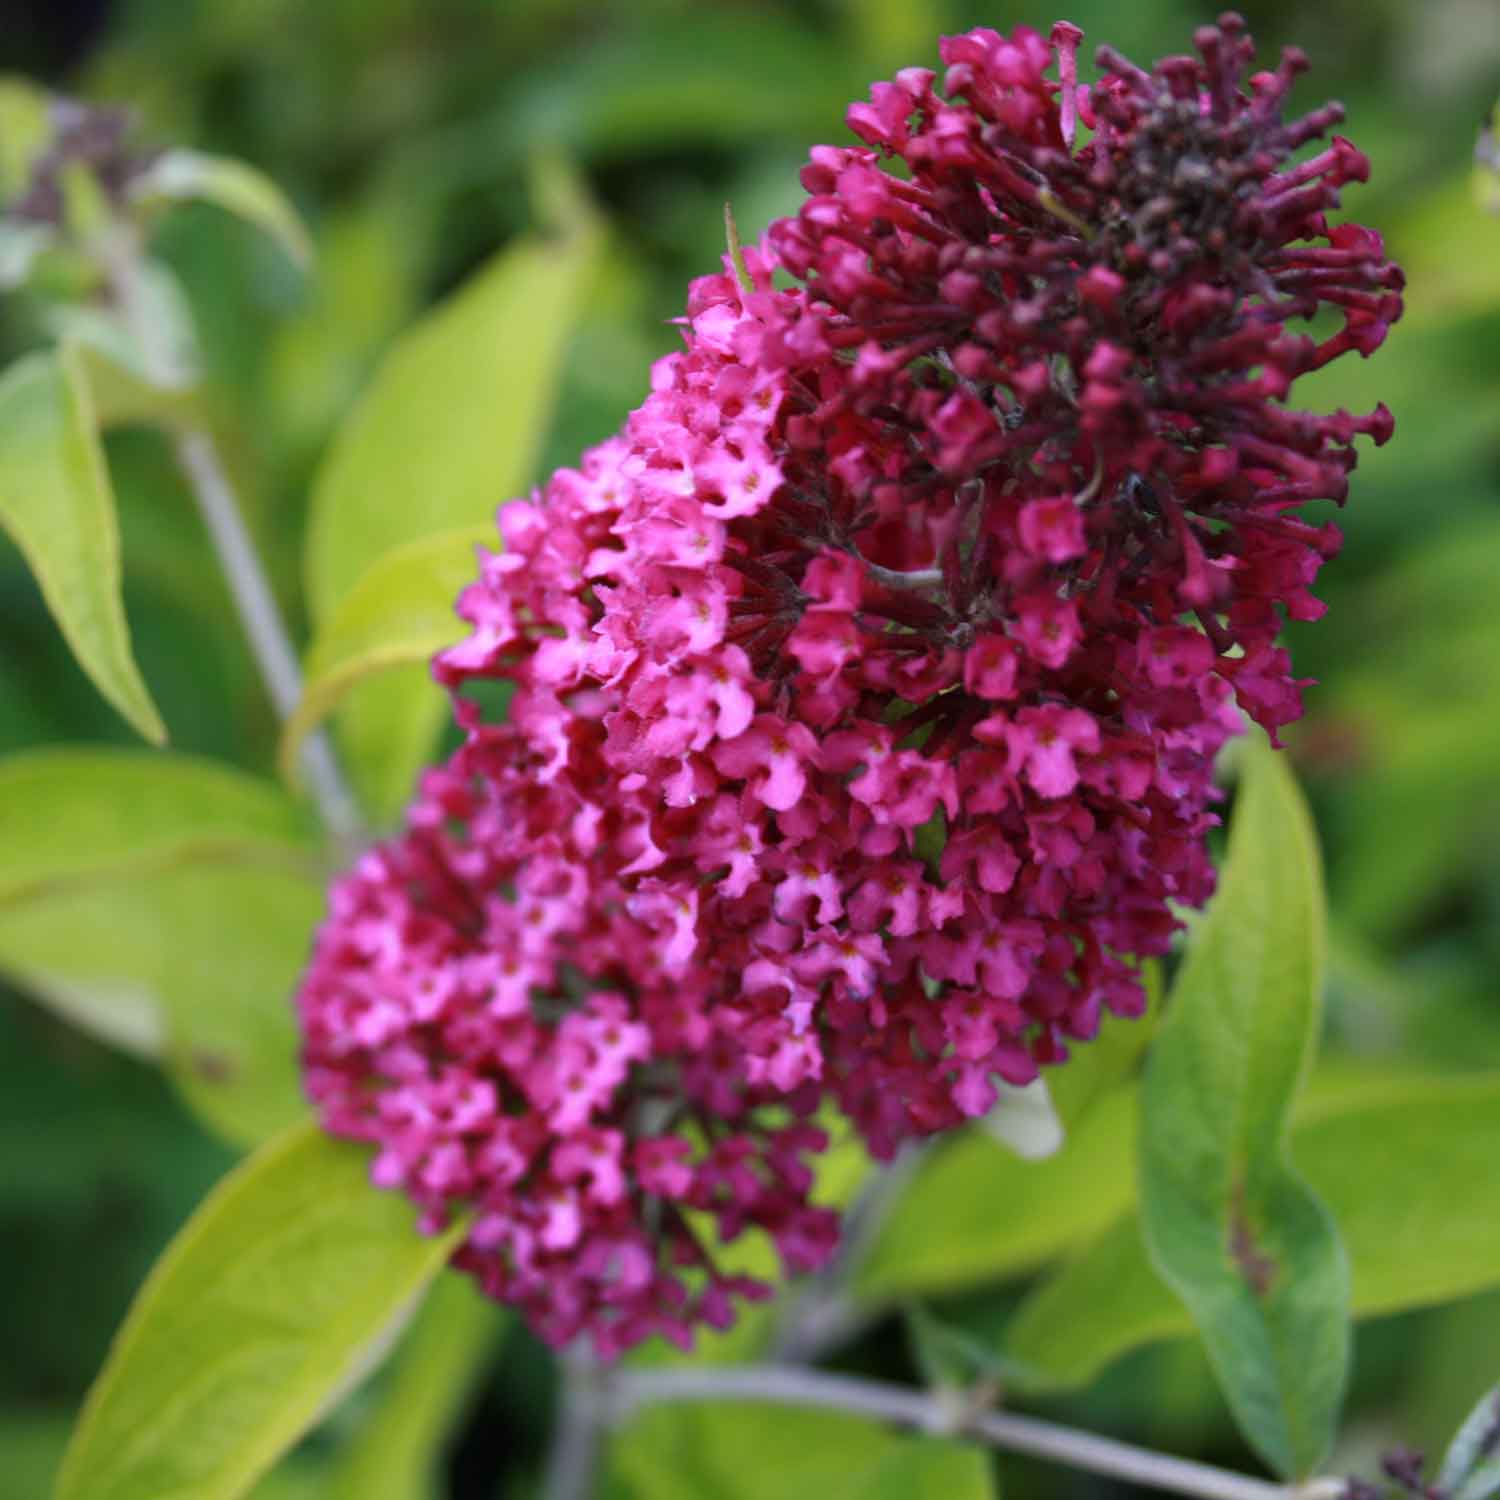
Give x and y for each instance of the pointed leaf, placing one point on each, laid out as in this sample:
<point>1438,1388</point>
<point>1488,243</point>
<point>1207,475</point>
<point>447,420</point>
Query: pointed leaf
<point>57,504</point>
<point>399,614</point>
<point>25,129</point>
<point>263,1309</point>
<point>1477,1439</point>
<point>212,951</point>
<point>452,422</point>
<point>748,1451</point>
<point>397,1451</point>
<point>234,186</point>
<point>1482,1484</point>
<point>976,1211</point>
<point>449,429</point>
<point>1390,1160</point>
<point>1231,1228</point>
<point>124,390</point>
<point>78,816</point>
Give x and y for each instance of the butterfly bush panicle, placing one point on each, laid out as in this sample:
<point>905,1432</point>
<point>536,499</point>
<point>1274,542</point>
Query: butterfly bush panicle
<point>483,1004</point>
<point>867,687</point>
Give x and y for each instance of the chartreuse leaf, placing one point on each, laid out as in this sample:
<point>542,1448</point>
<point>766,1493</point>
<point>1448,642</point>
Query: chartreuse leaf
<point>449,429</point>
<point>399,614</point>
<point>79,816</point>
<point>122,386</point>
<point>25,129</point>
<point>387,727</point>
<point>263,1309</point>
<point>397,1450</point>
<point>57,504</point>
<point>976,1211</point>
<point>1406,1166</point>
<point>234,186</point>
<point>746,1451</point>
<point>1231,1228</point>
<point>452,421</point>
<point>197,962</point>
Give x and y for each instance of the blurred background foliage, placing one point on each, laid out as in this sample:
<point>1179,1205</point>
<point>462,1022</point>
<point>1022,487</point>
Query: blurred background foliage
<point>406,131</point>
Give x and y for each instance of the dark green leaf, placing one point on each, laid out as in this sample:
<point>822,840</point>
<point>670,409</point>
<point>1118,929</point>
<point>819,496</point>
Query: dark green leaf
<point>1231,1228</point>
<point>1406,1166</point>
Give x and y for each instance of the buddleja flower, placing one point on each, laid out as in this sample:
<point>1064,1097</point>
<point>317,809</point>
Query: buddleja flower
<point>483,1005</point>
<point>866,690</point>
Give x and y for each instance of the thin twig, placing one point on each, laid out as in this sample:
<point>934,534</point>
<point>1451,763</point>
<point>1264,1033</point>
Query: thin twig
<point>823,1313</point>
<point>579,1431</point>
<point>270,641</point>
<point>793,1386</point>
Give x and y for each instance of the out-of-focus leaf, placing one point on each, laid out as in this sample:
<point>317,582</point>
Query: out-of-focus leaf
<point>21,245</point>
<point>1485,185</point>
<point>928,1466</point>
<point>75,816</point>
<point>1236,1233</point>
<point>397,1450</point>
<point>747,1451</point>
<point>448,430</point>
<point>399,614</point>
<point>1405,1167</point>
<point>24,131</point>
<point>234,186</point>
<point>1475,1441</point>
<point>365,290</point>
<point>387,728</point>
<point>730,83</point>
<point>119,379</point>
<point>976,1211</point>
<point>263,1309</point>
<point>951,1357</point>
<point>216,949</point>
<point>450,426</point>
<point>1418,810</point>
<point>57,504</point>
<point>1097,1068</point>
<point>1448,247</point>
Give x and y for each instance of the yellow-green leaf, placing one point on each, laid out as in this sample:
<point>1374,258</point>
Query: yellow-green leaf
<point>452,422</point>
<point>199,962</point>
<point>977,1211</point>
<point>399,614</point>
<point>234,186</point>
<point>746,1451</point>
<point>263,1310</point>
<point>71,816</point>
<point>25,129</point>
<point>397,1451</point>
<point>57,504</point>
